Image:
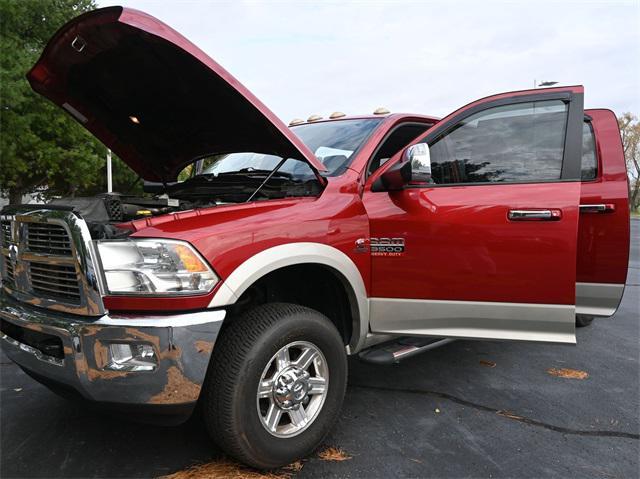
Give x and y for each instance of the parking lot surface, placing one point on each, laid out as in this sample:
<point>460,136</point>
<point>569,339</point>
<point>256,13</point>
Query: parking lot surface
<point>468,409</point>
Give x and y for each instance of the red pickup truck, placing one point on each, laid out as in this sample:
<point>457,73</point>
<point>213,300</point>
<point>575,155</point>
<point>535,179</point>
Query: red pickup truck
<point>245,286</point>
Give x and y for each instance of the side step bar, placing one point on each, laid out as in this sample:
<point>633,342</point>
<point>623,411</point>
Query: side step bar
<point>401,348</point>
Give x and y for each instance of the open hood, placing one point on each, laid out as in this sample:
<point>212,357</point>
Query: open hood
<point>153,97</point>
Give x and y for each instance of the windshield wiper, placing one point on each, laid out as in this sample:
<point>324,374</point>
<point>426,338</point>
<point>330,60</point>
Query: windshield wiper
<point>206,179</point>
<point>250,170</point>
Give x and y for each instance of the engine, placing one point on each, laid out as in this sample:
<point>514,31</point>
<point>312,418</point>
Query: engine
<point>105,211</point>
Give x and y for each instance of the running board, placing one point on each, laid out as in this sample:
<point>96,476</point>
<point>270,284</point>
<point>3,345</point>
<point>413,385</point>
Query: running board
<point>401,348</point>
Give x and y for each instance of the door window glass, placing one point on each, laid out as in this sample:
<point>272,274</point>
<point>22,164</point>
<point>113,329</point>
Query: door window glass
<point>399,137</point>
<point>589,158</point>
<point>522,142</point>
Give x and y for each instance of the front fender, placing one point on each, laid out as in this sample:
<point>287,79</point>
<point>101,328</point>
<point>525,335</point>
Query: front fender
<point>271,259</point>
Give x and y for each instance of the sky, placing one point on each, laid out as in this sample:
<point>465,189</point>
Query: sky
<point>302,58</point>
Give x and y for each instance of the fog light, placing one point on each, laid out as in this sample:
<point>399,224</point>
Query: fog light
<point>131,357</point>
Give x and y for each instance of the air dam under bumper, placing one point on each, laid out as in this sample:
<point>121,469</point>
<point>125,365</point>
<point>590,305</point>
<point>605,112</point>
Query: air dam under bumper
<point>182,345</point>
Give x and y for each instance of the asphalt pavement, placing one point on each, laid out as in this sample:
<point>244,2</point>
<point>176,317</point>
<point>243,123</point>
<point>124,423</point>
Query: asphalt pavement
<point>468,409</point>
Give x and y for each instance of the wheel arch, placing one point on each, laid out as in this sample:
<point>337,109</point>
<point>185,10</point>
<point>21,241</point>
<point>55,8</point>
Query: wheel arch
<point>277,258</point>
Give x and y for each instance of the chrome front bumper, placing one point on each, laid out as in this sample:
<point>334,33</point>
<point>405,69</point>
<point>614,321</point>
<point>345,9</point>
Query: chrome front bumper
<point>182,346</point>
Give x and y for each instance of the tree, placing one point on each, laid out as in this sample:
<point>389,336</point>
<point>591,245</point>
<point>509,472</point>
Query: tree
<point>630,132</point>
<point>41,147</point>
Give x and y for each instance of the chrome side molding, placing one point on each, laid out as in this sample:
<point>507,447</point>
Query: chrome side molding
<point>554,323</point>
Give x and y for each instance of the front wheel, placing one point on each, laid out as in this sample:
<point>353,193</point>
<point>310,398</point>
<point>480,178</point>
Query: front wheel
<point>582,320</point>
<point>275,386</point>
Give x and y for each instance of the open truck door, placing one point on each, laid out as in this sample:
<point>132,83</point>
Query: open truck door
<point>603,228</point>
<point>489,238</point>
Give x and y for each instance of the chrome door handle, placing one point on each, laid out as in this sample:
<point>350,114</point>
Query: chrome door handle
<point>535,215</point>
<point>598,208</point>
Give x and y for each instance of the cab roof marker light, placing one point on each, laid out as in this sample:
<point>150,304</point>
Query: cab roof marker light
<point>336,114</point>
<point>313,118</point>
<point>381,111</point>
<point>296,121</point>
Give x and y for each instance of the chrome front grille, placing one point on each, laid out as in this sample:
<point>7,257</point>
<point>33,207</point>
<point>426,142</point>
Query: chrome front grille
<point>48,238</point>
<point>9,276</point>
<point>46,259</point>
<point>55,281</point>
<point>5,231</point>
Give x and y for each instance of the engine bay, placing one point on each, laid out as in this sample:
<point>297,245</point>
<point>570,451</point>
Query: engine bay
<point>104,212</point>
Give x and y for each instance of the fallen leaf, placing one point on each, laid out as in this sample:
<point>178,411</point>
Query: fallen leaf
<point>568,373</point>
<point>416,460</point>
<point>294,466</point>
<point>510,415</point>
<point>487,363</point>
<point>437,411</point>
<point>333,454</point>
<point>224,469</point>
<point>18,390</point>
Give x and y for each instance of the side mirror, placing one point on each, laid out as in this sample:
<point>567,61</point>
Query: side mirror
<point>420,158</point>
<point>415,165</point>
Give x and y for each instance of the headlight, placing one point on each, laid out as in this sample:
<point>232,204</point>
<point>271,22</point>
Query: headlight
<point>154,267</point>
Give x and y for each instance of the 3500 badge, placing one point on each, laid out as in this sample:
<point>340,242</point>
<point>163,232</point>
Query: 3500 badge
<point>386,246</point>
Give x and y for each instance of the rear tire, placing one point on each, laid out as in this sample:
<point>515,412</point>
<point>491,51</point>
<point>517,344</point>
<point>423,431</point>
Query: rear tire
<point>266,407</point>
<point>582,320</point>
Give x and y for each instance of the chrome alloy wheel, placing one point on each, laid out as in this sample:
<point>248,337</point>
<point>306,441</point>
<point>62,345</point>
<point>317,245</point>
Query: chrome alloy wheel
<point>292,389</point>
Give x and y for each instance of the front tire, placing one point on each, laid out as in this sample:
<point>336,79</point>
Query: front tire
<point>275,385</point>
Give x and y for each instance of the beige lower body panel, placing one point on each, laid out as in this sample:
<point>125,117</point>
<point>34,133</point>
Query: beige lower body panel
<point>598,299</point>
<point>470,319</point>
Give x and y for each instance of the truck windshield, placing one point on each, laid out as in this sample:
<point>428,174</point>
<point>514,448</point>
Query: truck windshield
<point>333,142</point>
